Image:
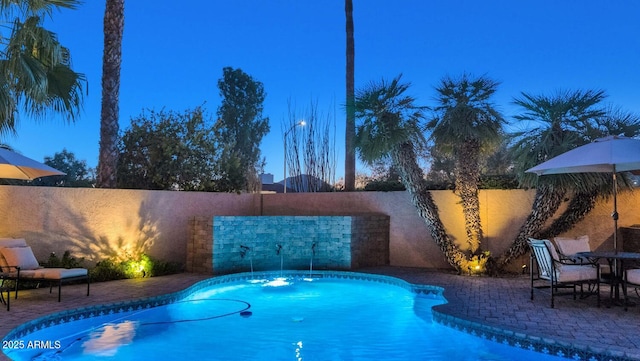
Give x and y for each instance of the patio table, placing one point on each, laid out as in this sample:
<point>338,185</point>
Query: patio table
<point>616,261</point>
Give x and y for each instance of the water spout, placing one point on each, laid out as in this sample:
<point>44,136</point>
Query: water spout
<point>243,250</point>
<point>313,253</point>
<point>281,254</point>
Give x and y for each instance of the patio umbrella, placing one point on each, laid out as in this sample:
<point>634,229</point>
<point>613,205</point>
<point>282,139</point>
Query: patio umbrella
<point>16,166</point>
<point>610,154</point>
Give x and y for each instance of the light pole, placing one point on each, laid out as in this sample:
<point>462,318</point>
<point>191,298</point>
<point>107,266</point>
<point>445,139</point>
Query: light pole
<point>300,123</point>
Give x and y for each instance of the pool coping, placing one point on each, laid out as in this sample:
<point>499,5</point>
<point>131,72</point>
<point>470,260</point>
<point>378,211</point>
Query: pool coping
<point>492,333</point>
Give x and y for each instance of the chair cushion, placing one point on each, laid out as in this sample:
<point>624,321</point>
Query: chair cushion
<point>571,246</point>
<point>574,273</point>
<point>633,276</point>
<point>21,257</point>
<point>552,249</point>
<point>54,273</point>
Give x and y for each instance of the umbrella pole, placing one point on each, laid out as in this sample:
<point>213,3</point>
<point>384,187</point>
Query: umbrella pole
<point>614,215</point>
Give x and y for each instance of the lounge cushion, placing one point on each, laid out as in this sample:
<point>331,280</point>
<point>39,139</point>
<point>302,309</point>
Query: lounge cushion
<point>12,242</point>
<point>54,273</point>
<point>20,257</point>
<point>9,243</point>
<point>4,266</point>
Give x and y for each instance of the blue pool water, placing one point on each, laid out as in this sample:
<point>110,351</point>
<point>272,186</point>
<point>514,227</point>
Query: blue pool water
<point>297,319</point>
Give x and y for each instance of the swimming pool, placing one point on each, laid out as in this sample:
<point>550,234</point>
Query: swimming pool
<point>330,316</point>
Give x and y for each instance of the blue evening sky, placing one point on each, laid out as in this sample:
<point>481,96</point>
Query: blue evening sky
<point>174,52</point>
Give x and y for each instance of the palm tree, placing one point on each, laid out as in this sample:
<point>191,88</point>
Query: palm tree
<point>466,126</point>
<point>111,59</point>
<point>350,131</point>
<point>390,127</point>
<point>592,186</point>
<point>36,74</point>
<point>565,121</point>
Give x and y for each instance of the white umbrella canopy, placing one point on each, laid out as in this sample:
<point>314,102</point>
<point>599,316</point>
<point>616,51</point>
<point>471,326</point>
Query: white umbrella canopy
<point>16,166</point>
<point>604,155</point>
<point>610,154</point>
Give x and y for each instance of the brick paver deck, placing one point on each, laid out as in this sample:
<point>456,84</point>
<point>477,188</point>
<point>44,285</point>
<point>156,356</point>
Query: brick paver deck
<point>501,302</point>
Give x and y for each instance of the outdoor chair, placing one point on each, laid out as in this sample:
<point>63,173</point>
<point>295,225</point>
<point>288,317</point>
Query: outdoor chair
<point>569,247</point>
<point>556,273</point>
<point>631,278</point>
<point>19,264</point>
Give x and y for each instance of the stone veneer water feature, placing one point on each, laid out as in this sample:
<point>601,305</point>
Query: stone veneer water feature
<point>229,244</point>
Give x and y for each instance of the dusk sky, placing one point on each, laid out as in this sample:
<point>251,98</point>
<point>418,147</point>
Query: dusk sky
<point>174,52</point>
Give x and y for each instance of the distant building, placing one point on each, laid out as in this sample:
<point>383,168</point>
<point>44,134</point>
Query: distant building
<point>268,186</point>
<point>302,183</point>
<point>266,178</point>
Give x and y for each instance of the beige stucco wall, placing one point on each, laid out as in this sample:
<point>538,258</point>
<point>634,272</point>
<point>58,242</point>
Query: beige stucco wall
<point>99,223</point>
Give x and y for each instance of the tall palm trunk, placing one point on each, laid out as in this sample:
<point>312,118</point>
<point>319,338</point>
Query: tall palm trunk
<point>546,203</point>
<point>467,179</point>
<point>111,59</point>
<point>350,131</point>
<point>404,159</point>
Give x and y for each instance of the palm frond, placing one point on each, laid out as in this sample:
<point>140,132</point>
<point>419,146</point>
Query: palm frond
<point>35,68</point>
<point>465,113</point>
<point>387,117</point>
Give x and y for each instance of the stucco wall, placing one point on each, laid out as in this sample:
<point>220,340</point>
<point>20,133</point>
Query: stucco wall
<point>502,213</point>
<point>98,223</point>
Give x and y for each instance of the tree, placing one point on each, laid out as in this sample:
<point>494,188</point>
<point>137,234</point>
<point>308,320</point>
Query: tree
<point>311,156</point>
<point>442,169</point>
<point>594,186</point>
<point>109,117</point>
<point>77,173</point>
<point>390,126</point>
<point>240,129</point>
<point>168,151</point>
<point>562,120</point>
<point>350,131</point>
<point>466,126</point>
<point>36,74</point>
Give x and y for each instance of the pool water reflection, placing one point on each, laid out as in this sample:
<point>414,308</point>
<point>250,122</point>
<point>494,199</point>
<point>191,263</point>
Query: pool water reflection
<point>276,319</point>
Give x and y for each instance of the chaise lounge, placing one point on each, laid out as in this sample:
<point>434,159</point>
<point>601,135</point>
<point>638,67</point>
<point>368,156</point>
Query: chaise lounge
<point>18,263</point>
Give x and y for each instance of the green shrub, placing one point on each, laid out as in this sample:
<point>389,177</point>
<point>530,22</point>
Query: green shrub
<point>106,270</point>
<point>112,269</point>
<point>499,182</point>
<point>486,182</point>
<point>384,186</point>
<point>143,266</point>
